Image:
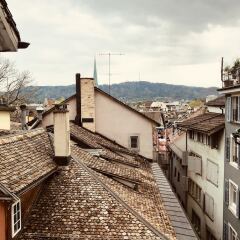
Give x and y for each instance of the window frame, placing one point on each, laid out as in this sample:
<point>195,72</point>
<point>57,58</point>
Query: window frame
<point>231,205</point>
<point>19,219</point>
<point>234,151</point>
<point>138,142</point>
<point>230,228</point>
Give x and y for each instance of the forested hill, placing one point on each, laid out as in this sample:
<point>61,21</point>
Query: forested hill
<point>130,91</point>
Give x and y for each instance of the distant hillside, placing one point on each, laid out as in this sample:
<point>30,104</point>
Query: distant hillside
<point>130,91</point>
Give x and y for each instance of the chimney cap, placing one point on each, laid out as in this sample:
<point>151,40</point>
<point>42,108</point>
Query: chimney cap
<point>23,107</point>
<point>60,108</point>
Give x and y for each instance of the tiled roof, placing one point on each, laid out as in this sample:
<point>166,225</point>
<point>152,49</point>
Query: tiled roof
<point>208,123</point>
<point>76,205</point>
<point>25,158</point>
<point>95,141</point>
<point>218,102</point>
<point>146,200</point>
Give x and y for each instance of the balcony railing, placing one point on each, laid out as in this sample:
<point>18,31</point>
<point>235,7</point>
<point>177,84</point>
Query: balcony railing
<point>230,79</point>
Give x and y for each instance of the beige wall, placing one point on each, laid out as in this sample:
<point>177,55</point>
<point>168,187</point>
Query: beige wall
<point>117,123</point>
<point>48,118</point>
<point>4,120</point>
<point>216,156</point>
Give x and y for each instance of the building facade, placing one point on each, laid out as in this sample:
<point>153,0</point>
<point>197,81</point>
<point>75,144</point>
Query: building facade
<point>99,112</point>
<point>231,89</point>
<point>203,194</point>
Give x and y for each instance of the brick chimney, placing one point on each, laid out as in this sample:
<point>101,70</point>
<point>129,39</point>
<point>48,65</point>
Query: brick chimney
<point>85,99</point>
<point>23,116</point>
<point>5,122</point>
<point>61,135</point>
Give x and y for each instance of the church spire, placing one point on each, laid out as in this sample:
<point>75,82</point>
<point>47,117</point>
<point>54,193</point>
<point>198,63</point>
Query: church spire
<point>95,72</point>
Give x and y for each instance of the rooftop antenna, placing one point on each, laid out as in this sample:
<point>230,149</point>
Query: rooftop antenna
<point>109,54</point>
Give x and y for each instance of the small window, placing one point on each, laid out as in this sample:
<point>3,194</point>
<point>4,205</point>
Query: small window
<point>16,218</point>
<point>175,172</point>
<point>178,177</point>
<point>233,197</point>
<point>134,142</point>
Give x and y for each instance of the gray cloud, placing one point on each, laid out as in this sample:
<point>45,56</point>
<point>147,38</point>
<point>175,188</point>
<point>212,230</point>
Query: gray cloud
<point>167,40</point>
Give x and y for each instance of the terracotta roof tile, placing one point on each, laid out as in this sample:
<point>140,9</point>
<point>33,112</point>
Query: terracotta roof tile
<point>95,141</point>
<point>75,205</point>
<point>146,200</point>
<point>207,123</point>
<point>218,102</point>
<point>25,157</point>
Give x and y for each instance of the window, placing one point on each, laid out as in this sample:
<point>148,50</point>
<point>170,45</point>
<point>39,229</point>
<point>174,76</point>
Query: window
<point>232,233</point>
<point>212,172</point>
<point>235,109</point>
<point>233,198</point>
<point>234,154</point>
<point>196,222</point>
<point>16,218</point>
<point>178,177</point>
<point>134,142</point>
<point>195,163</point>
<point>195,191</point>
<point>175,172</point>
<point>209,206</point>
<point>229,109</point>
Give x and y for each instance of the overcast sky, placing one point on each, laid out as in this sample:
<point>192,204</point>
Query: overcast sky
<point>170,41</point>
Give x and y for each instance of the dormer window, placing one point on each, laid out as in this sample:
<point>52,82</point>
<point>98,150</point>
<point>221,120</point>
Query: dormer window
<point>16,218</point>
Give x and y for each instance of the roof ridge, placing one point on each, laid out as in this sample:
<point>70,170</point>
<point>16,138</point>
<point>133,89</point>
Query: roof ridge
<point>123,203</point>
<point>20,136</point>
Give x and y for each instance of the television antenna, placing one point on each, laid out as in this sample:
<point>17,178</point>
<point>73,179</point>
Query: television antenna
<point>109,54</point>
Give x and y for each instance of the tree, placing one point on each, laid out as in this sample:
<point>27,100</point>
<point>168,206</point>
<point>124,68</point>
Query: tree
<point>14,85</point>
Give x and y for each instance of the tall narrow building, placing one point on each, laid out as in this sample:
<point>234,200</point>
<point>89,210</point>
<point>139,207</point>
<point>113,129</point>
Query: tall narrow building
<point>231,89</point>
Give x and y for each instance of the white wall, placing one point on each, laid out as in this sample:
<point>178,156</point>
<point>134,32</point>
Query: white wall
<point>48,118</point>
<point>4,120</point>
<point>216,156</point>
<point>117,123</point>
<point>215,109</point>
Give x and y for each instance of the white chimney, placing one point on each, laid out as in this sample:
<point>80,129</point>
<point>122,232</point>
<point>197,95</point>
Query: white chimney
<point>61,135</point>
<point>5,122</point>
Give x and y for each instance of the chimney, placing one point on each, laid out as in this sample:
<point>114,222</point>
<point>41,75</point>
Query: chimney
<point>61,135</point>
<point>5,122</point>
<point>23,116</point>
<point>85,99</point>
<point>39,113</point>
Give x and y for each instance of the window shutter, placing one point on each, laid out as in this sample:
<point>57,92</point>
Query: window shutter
<point>226,192</point>
<point>238,154</point>
<point>238,109</point>
<point>237,210</point>
<point>225,231</point>
<point>229,110</point>
<point>227,149</point>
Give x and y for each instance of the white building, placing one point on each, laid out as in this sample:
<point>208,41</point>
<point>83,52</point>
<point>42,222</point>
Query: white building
<point>205,148</point>
<point>99,112</point>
